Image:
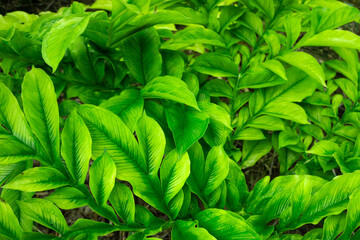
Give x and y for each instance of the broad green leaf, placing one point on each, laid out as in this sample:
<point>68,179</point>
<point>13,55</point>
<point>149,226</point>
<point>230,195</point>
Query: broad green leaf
<point>194,35</point>
<point>60,36</point>
<point>292,26</point>
<point>276,67</point>
<point>38,179</point>
<point>267,122</point>
<point>142,56</point>
<point>352,216</point>
<point>13,151</point>
<point>122,199</point>
<point>171,88</point>
<point>252,21</point>
<point>9,225</point>
<point>228,15</point>
<point>216,169</point>
<point>196,180</point>
<point>338,17</point>
<point>331,199</point>
<point>173,63</point>
<point>128,106</point>
<point>333,226</point>
<point>187,125</point>
<point>68,198</point>
<point>41,110</point>
<point>334,38</point>
<point>152,143</point>
<point>45,213</point>
<point>225,226</point>
<point>306,63</point>
<point>219,125</point>
<point>179,15</point>
<point>215,64</point>
<point>108,131</point>
<point>13,119</point>
<point>253,151</point>
<point>189,230</point>
<point>174,171</point>
<point>237,190</point>
<point>286,110</point>
<point>218,88</point>
<point>102,178</point>
<point>249,134</point>
<point>76,147</point>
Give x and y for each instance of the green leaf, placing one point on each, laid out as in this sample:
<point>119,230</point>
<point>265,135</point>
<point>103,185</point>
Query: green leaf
<point>218,88</point>
<point>215,64</point>
<point>352,216</point>
<point>216,169</point>
<point>253,151</point>
<point>13,151</point>
<point>9,225</point>
<point>286,110</point>
<point>187,125</point>
<point>339,17</point>
<point>333,226</point>
<point>219,125</point>
<point>142,56</point>
<point>173,63</point>
<point>109,132</point>
<point>60,36</point>
<point>331,199</point>
<point>194,35</point>
<point>189,230</point>
<point>128,106</point>
<point>122,199</point>
<point>333,38</point>
<point>38,179</point>
<point>152,143</point>
<point>171,88</point>
<point>249,134</point>
<point>76,147</point>
<point>45,213</point>
<point>292,26</point>
<point>41,110</point>
<point>225,226</point>
<point>306,63</point>
<point>13,119</point>
<point>276,67</point>
<point>174,171</point>
<point>66,107</point>
<point>68,198</point>
<point>102,178</point>
<point>267,122</point>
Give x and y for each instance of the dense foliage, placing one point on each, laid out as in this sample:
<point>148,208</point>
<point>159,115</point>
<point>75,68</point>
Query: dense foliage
<point>169,102</point>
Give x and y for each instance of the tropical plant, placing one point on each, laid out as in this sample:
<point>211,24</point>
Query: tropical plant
<point>170,103</point>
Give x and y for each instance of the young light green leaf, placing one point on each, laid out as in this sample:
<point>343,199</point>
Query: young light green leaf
<point>189,230</point>
<point>13,151</point>
<point>223,225</point>
<point>102,178</point>
<point>253,151</point>
<point>41,110</point>
<point>76,147</point>
<point>38,179</point>
<point>122,199</point>
<point>306,63</point>
<point>334,38</point>
<point>174,171</point>
<point>60,36</point>
<point>216,169</point>
<point>171,88</point>
<point>109,132</point>
<point>152,143</point>
<point>68,198</point>
<point>187,125</point>
<point>352,216</point>
<point>286,110</point>
<point>142,56</point>
<point>128,106</point>
<point>333,226</point>
<point>13,119</point>
<point>45,213</point>
<point>215,64</point>
<point>9,225</point>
